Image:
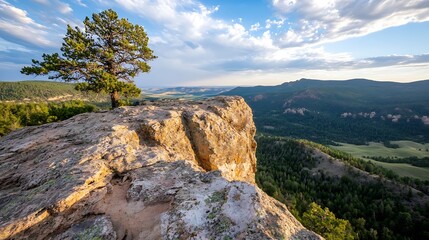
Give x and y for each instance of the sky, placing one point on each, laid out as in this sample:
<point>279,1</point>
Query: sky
<point>238,42</point>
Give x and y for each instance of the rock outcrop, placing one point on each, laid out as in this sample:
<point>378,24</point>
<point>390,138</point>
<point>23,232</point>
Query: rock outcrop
<point>163,170</point>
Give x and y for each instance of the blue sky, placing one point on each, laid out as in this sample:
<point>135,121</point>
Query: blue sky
<point>239,42</point>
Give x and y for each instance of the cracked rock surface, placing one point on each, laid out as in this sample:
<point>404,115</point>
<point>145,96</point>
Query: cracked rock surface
<point>163,170</point>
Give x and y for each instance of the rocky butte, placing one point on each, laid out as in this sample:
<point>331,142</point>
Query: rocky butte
<point>163,170</point>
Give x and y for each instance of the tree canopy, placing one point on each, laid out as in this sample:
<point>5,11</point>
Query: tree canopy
<point>105,56</point>
<point>324,222</point>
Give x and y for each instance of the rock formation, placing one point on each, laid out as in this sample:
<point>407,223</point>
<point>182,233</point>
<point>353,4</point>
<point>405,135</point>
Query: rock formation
<point>163,170</point>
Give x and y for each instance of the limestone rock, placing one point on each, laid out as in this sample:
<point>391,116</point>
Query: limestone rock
<point>163,170</point>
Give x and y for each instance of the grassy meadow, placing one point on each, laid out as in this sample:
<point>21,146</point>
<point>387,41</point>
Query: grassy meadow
<point>405,169</point>
<point>406,149</point>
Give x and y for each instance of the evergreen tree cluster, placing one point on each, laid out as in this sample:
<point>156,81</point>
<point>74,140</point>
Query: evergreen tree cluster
<point>16,115</point>
<point>10,91</point>
<point>374,210</point>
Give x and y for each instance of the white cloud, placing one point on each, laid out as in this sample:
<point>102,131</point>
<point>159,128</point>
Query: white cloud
<point>43,2</point>
<point>9,12</point>
<point>255,27</point>
<point>64,8</point>
<point>17,26</point>
<point>291,36</point>
<point>6,46</point>
<point>188,23</point>
<point>274,77</point>
<point>391,60</point>
<point>184,17</point>
<point>81,3</point>
<point>61,7</point>
<point>333,20</point>
<point>278,23</point>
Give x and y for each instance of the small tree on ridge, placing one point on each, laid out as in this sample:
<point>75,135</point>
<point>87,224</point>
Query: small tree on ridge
<point>103,57</point>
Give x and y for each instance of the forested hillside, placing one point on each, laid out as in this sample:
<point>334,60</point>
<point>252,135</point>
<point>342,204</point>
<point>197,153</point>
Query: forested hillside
<point>16,115</point>
<point>376,202</point>
<point>44,91</point>
<point>29,103</point>
<point>354,111</point>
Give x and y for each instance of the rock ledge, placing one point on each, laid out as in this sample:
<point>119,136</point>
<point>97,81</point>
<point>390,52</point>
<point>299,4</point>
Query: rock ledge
<point>164,170</point>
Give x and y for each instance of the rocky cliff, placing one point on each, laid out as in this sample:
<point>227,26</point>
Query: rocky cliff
<point>164,170</point>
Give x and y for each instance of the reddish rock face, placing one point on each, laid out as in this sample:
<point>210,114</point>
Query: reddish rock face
<point>161,170</point>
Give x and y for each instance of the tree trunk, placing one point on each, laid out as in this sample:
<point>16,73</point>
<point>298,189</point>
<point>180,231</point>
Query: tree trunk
<point>114,96</point>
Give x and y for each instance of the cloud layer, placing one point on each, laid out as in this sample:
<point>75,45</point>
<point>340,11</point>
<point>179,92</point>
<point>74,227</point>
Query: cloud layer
<point>193,42</point>
<point>17,26</point>
<point>332,20</point>
<point>191,32</point>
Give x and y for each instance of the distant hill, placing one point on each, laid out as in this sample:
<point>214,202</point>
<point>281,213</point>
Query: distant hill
<point>44,91</point>
<point>184,92</point>
<point>353,111</point>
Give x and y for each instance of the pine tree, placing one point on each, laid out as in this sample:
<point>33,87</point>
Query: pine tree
<point>103,57</point>
<point>324,222</point>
